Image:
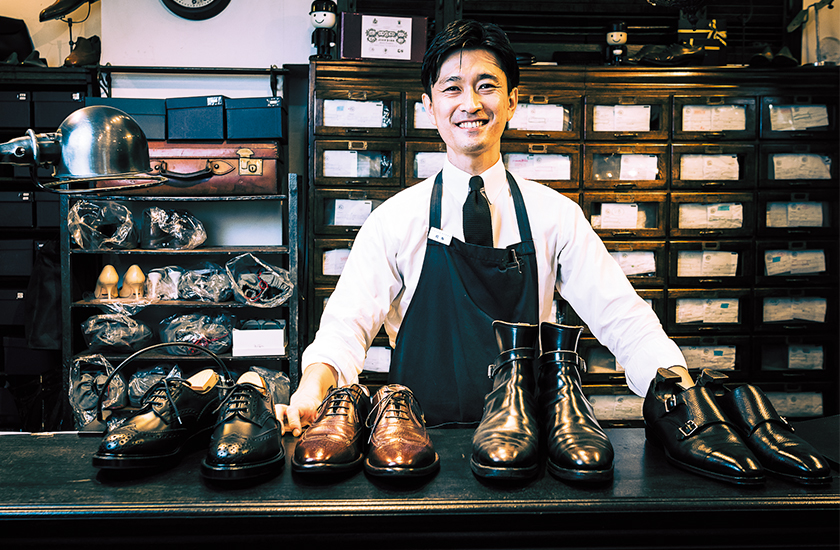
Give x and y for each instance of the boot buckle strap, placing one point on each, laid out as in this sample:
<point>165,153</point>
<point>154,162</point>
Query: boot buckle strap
<point>670,403</point>
<point>687,429</point>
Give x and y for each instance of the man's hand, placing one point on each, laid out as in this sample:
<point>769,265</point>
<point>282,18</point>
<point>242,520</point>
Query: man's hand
<point>315,384</point>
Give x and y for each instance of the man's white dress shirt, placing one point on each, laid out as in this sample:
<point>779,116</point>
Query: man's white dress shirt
<point>383,269</point>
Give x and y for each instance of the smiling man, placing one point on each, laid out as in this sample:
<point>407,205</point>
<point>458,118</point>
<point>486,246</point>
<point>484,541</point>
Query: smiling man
<point>437,293</point>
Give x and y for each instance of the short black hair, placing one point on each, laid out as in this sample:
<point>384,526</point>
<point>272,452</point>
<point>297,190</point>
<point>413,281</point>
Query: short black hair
<point>468,34</point>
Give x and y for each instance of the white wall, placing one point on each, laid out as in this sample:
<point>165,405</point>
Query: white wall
<point>248,33</point>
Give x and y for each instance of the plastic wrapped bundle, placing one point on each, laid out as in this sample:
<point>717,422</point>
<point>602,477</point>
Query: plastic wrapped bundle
<point>211,331</point>
<point>208,283</point>
<point>116,332</point>
<point>87,377</point>
<point>101,225</point>
<point>171,229</point>
<point>162,283</point>
<point>257,283</point>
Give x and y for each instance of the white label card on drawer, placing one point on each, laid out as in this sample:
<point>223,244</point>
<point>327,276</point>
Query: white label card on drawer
<point>439,236</point>
<point>352,212</point>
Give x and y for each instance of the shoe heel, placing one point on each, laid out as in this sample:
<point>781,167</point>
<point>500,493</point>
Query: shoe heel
<point>133,283</point>
<point>106,284</point>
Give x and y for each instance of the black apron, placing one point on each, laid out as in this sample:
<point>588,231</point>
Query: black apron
<point>446,340</point>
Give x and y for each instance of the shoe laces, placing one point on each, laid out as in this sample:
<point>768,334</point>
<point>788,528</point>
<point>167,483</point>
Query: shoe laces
<point>393,405</point>
<point>236,401</point>
<point>161,392</point>
<point>337,402</point>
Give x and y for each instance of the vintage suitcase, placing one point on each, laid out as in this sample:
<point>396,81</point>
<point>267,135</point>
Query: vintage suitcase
<point>217,168</point>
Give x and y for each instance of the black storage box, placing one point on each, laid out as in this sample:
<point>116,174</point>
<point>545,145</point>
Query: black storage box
<point>255,118</point>
<point>16,257</point>
<point>17,209</point>
<point>17,110</point>
<point>150,114</point>
<point>46,209</point>
<point>22,172</point>
<point>12,306</point>
<point>21,359</point>
<point>196,117</point>
<point>50,108</point>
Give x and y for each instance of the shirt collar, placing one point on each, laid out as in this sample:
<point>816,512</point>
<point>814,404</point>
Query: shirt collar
<point>457,181</point>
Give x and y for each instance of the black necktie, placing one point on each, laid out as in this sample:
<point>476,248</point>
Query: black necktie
<point>478,228</point>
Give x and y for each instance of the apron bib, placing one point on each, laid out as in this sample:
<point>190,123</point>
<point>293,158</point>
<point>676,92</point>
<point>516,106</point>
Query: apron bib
<point>446,340</point>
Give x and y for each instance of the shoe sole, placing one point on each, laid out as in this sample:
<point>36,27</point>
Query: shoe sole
<point>326,468</point>
<point>402,472</point>
<point>588,476</point>
<point>802,480</point>
<point>752,480</point>
<point>496,472</point>
<point>139,462</point>
<point>227,472</point>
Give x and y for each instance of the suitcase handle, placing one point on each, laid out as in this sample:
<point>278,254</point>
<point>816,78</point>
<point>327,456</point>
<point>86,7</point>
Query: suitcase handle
<point>214,168</point>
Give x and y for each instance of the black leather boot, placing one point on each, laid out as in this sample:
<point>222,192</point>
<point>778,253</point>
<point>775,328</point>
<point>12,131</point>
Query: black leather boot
<point>86,52</point>
<point>505,443</point>
<point>578,449</point>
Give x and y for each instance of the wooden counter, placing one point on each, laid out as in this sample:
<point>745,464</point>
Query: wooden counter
<point>51,495</point>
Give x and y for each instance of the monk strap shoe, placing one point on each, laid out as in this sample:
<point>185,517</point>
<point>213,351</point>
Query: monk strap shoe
<point>768,435</point>
<point>335,441</point>
<point>685,420</point>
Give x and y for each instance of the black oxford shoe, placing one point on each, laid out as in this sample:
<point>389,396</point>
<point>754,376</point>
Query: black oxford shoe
<point>505,444</point>
<point>246,442</point>
<point>578,449</point>
<point>769,436</point>
<point>173,413</point>
<point>685,420</point>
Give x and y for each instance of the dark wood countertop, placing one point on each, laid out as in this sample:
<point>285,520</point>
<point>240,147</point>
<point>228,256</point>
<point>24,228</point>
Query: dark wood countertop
<point>50,492</point>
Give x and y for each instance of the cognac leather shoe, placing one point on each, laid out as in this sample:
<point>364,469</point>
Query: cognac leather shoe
<point>769,436</point>
<point>86,52</point>
<point>173,413</point>
<point>247,440</point>
<point>578,449</point>
<point>335,441</point>
<point>684,419</point>
<point>399,444</point>
<point>506,442</point>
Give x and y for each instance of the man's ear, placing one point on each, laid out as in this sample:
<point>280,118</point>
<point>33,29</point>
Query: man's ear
<point>427,104</point>
<point>513,101</point>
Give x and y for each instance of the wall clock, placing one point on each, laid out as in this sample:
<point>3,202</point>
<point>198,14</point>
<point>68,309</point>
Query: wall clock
<point>197,10</point>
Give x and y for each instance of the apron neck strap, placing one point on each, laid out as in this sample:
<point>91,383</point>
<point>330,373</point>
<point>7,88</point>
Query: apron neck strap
<point>518,204</point>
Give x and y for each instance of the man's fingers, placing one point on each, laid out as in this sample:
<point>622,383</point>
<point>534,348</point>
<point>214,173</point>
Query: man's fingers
<point>292,421</point>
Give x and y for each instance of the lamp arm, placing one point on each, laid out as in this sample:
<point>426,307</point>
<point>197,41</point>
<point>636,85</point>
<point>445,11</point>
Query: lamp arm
<point>31,149</point>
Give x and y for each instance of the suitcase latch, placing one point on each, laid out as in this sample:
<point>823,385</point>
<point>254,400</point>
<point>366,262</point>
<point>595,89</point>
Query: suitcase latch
<point>249,166</point>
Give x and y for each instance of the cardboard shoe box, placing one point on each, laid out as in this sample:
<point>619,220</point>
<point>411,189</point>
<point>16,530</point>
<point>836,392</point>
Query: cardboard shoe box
<point>150,114</point>
<point>381,37</point>
<point>199,118</point>
<point>255,118</point>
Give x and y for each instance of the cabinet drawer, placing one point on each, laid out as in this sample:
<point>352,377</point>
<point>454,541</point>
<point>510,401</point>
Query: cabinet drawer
<point>627,117</point>
<point>545,116</point>
<point>329,257</point>
<point>17,209</point>
<point>713,166</point>
<point>714,117</point>
<point>423,159</point>
<point>696,264</point>
<point>801,116</point>
<point>698,311</point>
<point>796,263</point>
<point>339,163</point>
<point>626,215</point>
<point>17,110</point>
<point>795,309</point>
<point>798,165</point>
<point>357,112</point>
<point>643,262</point>
<point>552,164</point>
<point>794,357</point>
<point>601,365</point>
<point>625,167</point>
<point>417,121</point>
<point>343,211</point>
<point>655,299</point>
<point>725,353</point>
<point>708,215</point>
<point>797,215</point>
